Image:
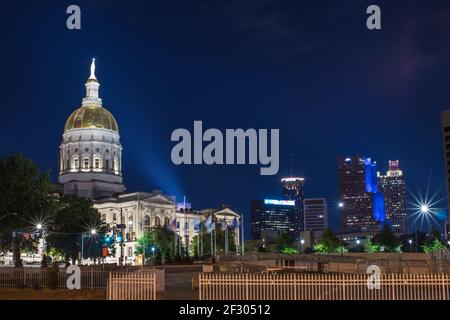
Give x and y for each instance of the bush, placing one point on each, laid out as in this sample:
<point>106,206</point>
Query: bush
<point>44,262</point>
<point>51,282</point>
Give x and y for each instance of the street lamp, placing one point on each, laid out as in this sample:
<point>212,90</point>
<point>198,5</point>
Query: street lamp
<point>93,232</point>
<point>39,226</point>
<point>410,245</point>
<point>302,241</point>
<point>357,243</point>
<point>153,252</point>
<point>424,208</point>
<point>340,204</point>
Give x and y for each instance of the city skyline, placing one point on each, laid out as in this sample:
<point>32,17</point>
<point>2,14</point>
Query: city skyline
<point>160,85</point>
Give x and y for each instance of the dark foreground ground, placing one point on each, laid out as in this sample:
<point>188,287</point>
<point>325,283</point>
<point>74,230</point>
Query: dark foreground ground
<point>178,287</point>
<point>46,294</point>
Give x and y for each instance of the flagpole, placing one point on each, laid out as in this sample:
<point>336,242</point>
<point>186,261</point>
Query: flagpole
<point>226,237</point>
<point>215,239</point>
<point>201,237</point>
<point>242,229</point>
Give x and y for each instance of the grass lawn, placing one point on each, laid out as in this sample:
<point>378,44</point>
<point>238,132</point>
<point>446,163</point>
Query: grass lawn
<point>46,294</point>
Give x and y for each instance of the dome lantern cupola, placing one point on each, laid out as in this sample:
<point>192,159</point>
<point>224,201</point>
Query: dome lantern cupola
<point>91,114</point>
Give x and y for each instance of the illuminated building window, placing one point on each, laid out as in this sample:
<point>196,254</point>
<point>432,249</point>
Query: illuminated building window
<point>76,163</point>
<point>86,163</point>
<point>157,222</point>
<point>97,163</point>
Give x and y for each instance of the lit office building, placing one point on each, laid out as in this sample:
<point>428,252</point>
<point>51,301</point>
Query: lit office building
<point>361,205</point>
<point>315,214</point>
<point>393,187</point>
<point>445,123</point>
<point>269,217</point>
<point>293,189</point>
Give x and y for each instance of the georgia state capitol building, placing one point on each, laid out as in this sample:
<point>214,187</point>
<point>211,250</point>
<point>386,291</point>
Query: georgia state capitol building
<point>90,165</point>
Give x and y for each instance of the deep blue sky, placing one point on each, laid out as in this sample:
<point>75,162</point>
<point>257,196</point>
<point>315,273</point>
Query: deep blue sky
<point>309,68</point>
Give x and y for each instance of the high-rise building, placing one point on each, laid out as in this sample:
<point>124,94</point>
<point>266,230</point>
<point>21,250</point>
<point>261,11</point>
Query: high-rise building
<point>393,187</point>
<point>315,214</point>
<point>445,123</point>
<point>271,216</point>
<point>293,189</point>
<point>357,192</point>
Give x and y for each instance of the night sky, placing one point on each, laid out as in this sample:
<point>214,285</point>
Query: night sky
<point>310,68</point>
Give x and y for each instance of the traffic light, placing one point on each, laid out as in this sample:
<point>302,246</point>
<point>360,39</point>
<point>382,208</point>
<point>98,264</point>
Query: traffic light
<point>105,251</point>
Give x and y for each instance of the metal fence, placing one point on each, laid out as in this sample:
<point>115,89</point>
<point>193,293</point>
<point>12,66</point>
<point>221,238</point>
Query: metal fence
<point>91,278</point>
<point>301,286</point>
<point>132,286</point>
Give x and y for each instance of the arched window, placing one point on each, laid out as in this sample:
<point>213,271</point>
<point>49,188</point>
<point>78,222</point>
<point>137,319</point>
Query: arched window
<point>76,163</point>
<point>86,163</point>
<point>130,224</point>
<point>166,221</point>
<point>157,222</point>
<point>97,163</point>
<point>146,223</point>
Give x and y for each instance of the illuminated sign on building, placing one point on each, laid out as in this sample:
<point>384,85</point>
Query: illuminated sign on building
<point>280,202</point>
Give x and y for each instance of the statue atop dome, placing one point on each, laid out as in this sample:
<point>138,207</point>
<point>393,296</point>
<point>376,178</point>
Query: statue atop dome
<point>93,69</point>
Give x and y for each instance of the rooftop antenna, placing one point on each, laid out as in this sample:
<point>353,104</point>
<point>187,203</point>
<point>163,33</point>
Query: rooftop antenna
<point>290,163</point>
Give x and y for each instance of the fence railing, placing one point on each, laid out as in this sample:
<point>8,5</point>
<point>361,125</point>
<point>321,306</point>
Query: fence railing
<point>91,279</point>
<point>298,286</point>
<point>132,286</point>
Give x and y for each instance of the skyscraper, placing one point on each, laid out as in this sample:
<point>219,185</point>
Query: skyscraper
<point>293,189</point>
<point>271,216</point>
<point>393,186</point>
<point>356,194</point>
<point>445,123</point>
<point>315,214</point>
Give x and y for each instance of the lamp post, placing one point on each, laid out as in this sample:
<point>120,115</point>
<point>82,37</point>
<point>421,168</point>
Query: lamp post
<point>410,245</point>
<point>341,206</point>
<point>92,232</point>
<point>357,244</point>
<point>302,242</point>
<point>153,252</point>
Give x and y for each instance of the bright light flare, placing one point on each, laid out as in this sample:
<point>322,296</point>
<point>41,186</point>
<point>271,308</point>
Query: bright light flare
<point>424,209</point>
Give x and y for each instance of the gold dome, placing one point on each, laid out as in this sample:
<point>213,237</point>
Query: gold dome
<point>91,117</point>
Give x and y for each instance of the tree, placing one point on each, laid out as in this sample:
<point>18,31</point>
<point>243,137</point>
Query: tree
<point>283,241</point>
<point>387,240</point>
<point>72,220</point>
<point>330,243</point>
<point>433,242</point>
<point>25,197</point>
<point>253,245</point>
<point>371,247</point>
<point>159,238</point>
<point>51,281</point>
